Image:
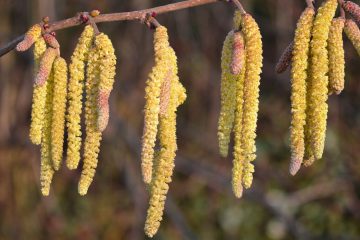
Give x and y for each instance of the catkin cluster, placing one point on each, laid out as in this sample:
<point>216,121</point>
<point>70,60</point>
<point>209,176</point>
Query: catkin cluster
<point>241,64</point>
<point>49,101</point>
<point>317,64</point>
<point>163,94</point>
<point>51,93</point>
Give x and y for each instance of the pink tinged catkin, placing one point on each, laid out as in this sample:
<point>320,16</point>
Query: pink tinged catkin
<point>51,40</point>
<point>103,110</point>
<point>353,9</point>
<point>238,51</point>
<point>30,38</point>
<point>45,66</point>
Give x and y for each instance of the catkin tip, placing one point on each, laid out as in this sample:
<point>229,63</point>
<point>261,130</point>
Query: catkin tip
<point>285,59</point>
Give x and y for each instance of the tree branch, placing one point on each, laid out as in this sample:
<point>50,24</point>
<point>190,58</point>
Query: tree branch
<point>113,17</point>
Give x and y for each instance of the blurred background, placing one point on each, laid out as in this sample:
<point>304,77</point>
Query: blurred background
<point>320,202</point>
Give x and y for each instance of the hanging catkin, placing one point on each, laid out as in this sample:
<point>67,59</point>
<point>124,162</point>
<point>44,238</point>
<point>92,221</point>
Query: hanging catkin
<point>238,162</point>
<point>31,36</point>
<point>336,56</point>
<point>228,94</point>
<point>45,67</point>
<point>76,82</point>
<point>46,168</point>
<point>253,45</point>
<point>353,33</point>
<point>100,72</point>
<point>152,105</point>
<point>164,164</point>
<point>39,96</point>
<point>318,83</point>
<point>237,57</point>
<point>58,111</point>
<point>298,84</point>
<point>353,9</point>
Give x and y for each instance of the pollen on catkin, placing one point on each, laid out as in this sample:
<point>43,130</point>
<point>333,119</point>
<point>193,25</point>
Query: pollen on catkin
<point>164,164</point>
<point>100,75</point>
<point>46,168</point>
<point>253,45</point>
<point>31,36</point>
<point>39,97</point>
<point>107,73</point>
<point>299,77</point>
<point>238,162</point>
<point>58,111</point>
<point>285,59</point>
<point>318,83</point>
<point>93,136</point>
<point>228,94</point>
<point>336,56</point>
<point>353,9</point>
<point>152,98</point>
<point>76,86</point>
<point>45,66</point>
<point>353,33</point>
<point>237,58</point>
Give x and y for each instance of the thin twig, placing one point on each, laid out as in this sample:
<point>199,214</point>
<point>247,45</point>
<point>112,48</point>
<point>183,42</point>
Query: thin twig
<point>113,17</point>
<point>239,6</point>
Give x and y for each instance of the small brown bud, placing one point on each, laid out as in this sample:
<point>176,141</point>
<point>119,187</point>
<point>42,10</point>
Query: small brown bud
<point>238,53</point>
<point>353,9</point>
<point>285,59</point>
<point>46,19</point>
<point>95,13</point>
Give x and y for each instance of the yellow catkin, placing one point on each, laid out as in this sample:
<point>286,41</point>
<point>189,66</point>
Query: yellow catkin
<point>100,70</point>
<point>299,76</point>
<point>31,36</point>
<point>317,89</point>
<point>38,99</point>
<point>237,58</point>
<point>228,94</point>
<point>238,162</point>
<point>107,73</point>
<point>152,105</point>
<point>76,82</point>
<point>164,164</point>
<point>336,56</point>
<point>45,66</point>
<point>253,45</point>
<point>58,108</point>
<point>46,168</point>
<point>353,33</point>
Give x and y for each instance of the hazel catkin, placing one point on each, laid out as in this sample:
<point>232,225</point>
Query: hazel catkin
<point>100,75</point>
<point>39,97</point>
<point>237,58</point>
<point>238,162</point>
<point>45,66</point>
<point>317,90</point>
<point>336,56</point>
<point>107,73</point>
<point>58,111</point>
<point>152,105</point>
<point>228,94</point>
<point>76,82</point>
<point>353,33</point>
<point>31,36</point>
<point>164,162</point>
<point>353,9</point>
<point>46,168</point>
<point>253,45</point>
<point>299,77</point>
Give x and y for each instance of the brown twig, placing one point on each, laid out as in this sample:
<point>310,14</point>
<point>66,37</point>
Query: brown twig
<point>239,6</point>
<point>113,17</point>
